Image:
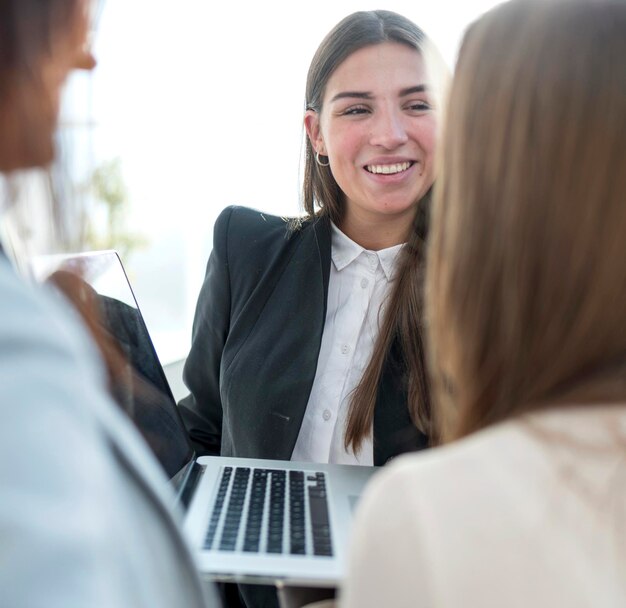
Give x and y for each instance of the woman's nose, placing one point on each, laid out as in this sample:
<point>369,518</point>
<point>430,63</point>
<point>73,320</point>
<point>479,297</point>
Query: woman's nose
<point>388,130</point>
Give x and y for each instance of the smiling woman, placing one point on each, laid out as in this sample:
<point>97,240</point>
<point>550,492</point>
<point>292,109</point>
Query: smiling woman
<point>307,339</point>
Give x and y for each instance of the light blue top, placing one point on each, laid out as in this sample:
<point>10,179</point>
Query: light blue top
<point>85,517</point>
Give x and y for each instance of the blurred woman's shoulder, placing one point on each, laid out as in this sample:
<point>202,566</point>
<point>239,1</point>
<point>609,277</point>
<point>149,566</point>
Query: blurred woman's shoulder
<point>505,500</point>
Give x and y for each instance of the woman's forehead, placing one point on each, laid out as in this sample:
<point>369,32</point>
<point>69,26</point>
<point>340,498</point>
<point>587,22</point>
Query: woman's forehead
<point>387,66</point>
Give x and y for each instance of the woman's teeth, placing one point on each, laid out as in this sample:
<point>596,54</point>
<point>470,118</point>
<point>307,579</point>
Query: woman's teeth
<point>388,169</point>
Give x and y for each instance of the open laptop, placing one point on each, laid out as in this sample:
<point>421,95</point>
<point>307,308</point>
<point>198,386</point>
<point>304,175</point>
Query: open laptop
<point>249,520</point>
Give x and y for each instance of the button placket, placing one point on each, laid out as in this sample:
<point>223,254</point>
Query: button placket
<point>372,258</point>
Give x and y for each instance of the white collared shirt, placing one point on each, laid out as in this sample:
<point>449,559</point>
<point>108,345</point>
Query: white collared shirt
<point>360,281</point>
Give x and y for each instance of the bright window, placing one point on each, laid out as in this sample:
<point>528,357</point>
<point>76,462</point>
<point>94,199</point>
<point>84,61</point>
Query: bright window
<point>194,106</point>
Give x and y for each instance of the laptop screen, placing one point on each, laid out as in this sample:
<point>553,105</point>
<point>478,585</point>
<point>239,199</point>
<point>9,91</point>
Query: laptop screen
<point>140,384</point>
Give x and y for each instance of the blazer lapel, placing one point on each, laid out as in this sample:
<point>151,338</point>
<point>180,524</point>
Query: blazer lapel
<point>306,278</point>
<point>277,348</point>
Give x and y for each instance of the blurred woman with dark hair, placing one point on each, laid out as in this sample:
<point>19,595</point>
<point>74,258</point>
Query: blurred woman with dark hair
<point>526,306</point>
<point>84,509</point>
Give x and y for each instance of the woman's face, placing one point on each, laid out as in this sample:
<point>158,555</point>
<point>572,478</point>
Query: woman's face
<point>377,127</point>
<point>30,111</point>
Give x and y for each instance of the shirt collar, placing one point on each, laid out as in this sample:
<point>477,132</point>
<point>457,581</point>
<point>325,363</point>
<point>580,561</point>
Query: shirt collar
<point>344,251</point>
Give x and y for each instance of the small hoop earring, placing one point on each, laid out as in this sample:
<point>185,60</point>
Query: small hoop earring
<point>319,162</point>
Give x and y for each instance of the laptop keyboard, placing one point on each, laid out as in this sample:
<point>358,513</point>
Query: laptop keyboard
<point>270,511</point>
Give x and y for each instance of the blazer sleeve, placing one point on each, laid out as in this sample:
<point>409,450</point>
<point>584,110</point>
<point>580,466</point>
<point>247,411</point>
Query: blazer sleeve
<point>202,408</point>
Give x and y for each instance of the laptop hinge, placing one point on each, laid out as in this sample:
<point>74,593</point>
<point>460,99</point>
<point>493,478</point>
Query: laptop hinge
<point>192,481</point>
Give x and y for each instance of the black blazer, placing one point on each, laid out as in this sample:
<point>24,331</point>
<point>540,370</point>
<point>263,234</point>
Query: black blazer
<point>256,339</point>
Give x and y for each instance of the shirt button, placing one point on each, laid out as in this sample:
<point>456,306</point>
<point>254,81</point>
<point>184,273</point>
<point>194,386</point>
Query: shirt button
<point>373,260</point>
<point>345,349</point>
<point>326,415</point>
<point>364,283</point>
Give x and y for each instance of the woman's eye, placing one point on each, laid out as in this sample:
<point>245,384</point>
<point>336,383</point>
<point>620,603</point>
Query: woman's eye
<point>354,111</point>
<point>419,106</point>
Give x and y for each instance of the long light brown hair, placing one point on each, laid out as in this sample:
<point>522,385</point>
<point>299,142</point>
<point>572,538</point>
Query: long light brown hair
<point>36,38</point>
<point>322,196</point>
<point>526,273</point>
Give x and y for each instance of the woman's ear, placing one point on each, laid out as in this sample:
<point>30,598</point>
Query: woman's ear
<point>83,58</point>
<point>312,126</point>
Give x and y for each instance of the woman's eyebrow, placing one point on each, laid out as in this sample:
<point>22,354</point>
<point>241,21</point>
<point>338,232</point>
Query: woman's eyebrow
<point>420,88</point>
<point>352,94</point>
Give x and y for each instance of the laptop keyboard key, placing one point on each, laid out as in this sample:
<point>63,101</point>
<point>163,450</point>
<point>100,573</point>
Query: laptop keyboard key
<point>297,519</point>
<point>255,511</point>
<point>217,507</point>
<point>277,512</point>
<point>320,522</point>
<point>235,509</point>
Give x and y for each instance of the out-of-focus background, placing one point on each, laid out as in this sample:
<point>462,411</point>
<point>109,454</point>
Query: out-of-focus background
<point>196,105</point>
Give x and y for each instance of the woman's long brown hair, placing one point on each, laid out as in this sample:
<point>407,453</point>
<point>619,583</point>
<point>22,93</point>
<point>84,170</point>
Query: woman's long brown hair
<point>526,273</point>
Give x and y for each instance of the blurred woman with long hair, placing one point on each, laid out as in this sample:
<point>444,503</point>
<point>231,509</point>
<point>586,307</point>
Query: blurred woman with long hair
<point>85,517</point>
